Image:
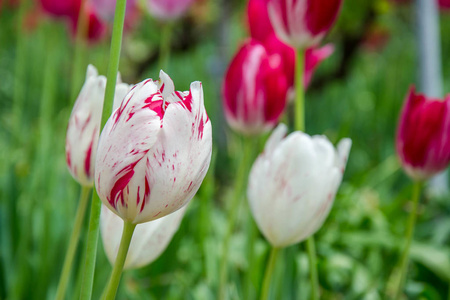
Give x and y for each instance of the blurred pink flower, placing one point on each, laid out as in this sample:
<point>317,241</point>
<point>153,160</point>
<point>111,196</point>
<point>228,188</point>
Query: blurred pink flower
<point>168,9</point>
<point>61,8</point>
<point>303,23</point>
<point>254,89</point>
<point>154,151</point>
<point>423,135</point>
<point>96,28</point>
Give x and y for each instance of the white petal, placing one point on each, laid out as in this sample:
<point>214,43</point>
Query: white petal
<point>149,239</point>
<point>276,137</point>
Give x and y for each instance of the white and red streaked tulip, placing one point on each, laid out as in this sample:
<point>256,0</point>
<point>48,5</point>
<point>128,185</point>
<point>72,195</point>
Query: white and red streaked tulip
<point>292,185</point>
<point>154,151</point>
<point>313,57</point>
<point>423,135</point>
<point>254,90</point>
<point>303,23</point>
<point>149,239</point>
<point>168,9</point>
<point>84,123</point>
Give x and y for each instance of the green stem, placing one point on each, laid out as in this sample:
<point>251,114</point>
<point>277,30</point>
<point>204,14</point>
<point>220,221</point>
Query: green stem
<point>164,47</point>
<point>79,66</point>
<point>127,233</point>
<point>313,268</point>
<point>268,275</point>
<point>94,221</point>
<point>91,249</point>
<point>299,91</point>
<point>409,234</point>
<point>73,242</point>
<point>114,58</point>
<point>239,187</point>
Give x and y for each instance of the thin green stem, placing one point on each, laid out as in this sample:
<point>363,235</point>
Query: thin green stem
<point>310,244</point>
<point>127,233</point>
<point>239,187</point>
<point>404,260</point>
<point>79,66</point>
<point>164,47</point>
<point>94,221</point>
<point>299,91</point>
<point>268,275</point>
<point>114,58</point>
<point>91,249</point>
<point>73,242</point>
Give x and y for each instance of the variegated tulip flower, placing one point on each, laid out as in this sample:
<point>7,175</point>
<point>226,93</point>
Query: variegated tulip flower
<point>84,125</point>
<point>149,239</point>
<point>292,185</point>
<point>154,151</point>
<point>303,23</point>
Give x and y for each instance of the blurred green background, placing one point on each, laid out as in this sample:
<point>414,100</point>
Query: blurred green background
<point>356,93</point>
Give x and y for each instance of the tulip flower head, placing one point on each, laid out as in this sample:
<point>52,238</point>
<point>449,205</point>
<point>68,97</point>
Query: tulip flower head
<point>58,8</point>
<point>303,23</point>
<point>154,151</point>
<point>168,9</point>
<point>292,185</point>
<point>84,125</point>
<point>423,135</point>
<point>149,239</point>
<point>254,90</point>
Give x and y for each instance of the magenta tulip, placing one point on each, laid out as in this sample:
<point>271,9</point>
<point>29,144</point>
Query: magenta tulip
<point>303,23</point>
<point>254,90</point>
<point>423,135</point>
<point>168,9</point>
<point>58,8</point>
<point>154,151</point>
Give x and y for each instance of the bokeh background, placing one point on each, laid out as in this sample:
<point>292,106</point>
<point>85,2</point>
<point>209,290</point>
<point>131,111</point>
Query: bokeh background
<point>356,93</point>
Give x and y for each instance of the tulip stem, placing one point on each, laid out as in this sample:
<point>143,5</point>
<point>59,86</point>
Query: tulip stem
<point>70,254</point>
<point>111,289</point>
<point>240,184</point>
<point>409,234</point>
<point>310,245</point>
<point>94,221</point>
<point>165,44</point>
<point>91,250</point>
<point>268,275</point>
<point>299,91</point>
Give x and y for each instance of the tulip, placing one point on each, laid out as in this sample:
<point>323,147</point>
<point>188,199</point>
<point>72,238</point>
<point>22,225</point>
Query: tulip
<point>84,124</point>
<point>58,8</point>
<point>96,28</point>
<point>254,90</point>
<point>168,9</point>
<point>154,151</point>
<point>258,20</point>
<point>149,239</point>
<point>423,135</point>
<point>292,185</point>
<point>303,23</point>
<point>313,57</point>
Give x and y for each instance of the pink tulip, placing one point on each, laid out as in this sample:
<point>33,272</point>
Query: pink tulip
<point>168,9</point>
<point>106,9</point>
<point>313,57</point>
<point>96,28</point>
<point>154,151</point>
<point>254,90</point>
<point>444,4</point>
<point>258,20</point>
<point>59,8</point>
<point>84,124</point>
<point>423,135</point>
<point>303,23</point>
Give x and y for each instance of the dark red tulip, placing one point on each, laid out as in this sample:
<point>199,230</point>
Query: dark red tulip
<point>423,135</point>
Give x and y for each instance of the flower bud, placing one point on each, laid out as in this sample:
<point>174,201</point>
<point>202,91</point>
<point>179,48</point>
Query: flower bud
<point>154,151</point>
<point>292,185</point>
<point>423,135</point>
